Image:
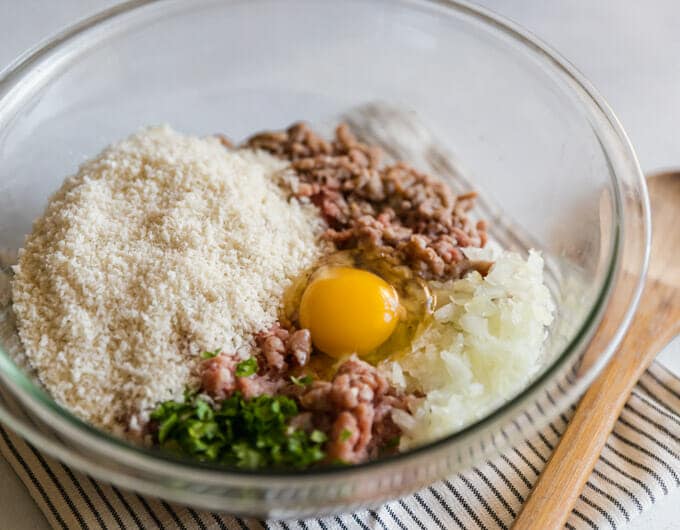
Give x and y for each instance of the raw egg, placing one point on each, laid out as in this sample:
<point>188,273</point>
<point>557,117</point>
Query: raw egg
<point>348,310</point>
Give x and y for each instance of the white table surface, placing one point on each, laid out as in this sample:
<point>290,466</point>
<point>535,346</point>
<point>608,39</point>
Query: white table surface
<point>629,49</point>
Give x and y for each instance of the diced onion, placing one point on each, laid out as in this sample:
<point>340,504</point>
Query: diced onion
<point>482,346</point>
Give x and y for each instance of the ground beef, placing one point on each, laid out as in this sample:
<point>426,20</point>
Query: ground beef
<point>218,379</point>
<point>217,376</point>
<point>358,402</point>
<point>386,432</point>
<point>299,346</point>
<point>317,397</point>
<point>282,348</point>
<point>350,435</point>
<point>393,209</point>
<point>357,382</point>
<point>353,409</point>
<point>279,349</point>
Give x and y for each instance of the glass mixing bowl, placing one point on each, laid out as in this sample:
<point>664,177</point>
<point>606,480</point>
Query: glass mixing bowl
<point>532,134</point>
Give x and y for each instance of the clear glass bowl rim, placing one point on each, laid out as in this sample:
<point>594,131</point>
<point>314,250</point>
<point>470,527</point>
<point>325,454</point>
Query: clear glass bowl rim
<point>173,467</point>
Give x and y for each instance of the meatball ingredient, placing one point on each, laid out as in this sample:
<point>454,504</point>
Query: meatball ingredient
<point>396,210</point>
<point>482,346</point>
<point>356,409</point>
<point>348,310</point>
<point>161,247</point>
<point>225,374</point>
<point>282,348</point>
<point>248,434</point>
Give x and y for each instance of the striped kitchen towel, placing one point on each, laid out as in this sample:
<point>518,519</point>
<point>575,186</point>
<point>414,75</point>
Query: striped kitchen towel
<point>640,464</point>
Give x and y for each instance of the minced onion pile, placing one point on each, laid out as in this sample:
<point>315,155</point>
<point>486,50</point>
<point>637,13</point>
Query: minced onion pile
<point>483,344</point>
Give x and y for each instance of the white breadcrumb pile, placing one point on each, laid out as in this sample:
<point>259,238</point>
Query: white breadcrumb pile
<point>162,247</point>
<point>483,344</point>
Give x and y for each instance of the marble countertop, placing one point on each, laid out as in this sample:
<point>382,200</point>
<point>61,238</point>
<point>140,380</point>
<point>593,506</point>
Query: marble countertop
<point>630,50</point>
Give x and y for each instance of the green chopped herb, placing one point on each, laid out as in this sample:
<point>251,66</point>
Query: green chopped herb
<point>345,435</point>
<point>210,354</point>
<point>204,411</point>
<point>166,426</point>
<point>305,380</point>
<point>318,436</point>
<point>246,368</point>
<point>248,434</point>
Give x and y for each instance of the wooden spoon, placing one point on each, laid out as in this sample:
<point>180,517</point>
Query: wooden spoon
<point>656,322</point>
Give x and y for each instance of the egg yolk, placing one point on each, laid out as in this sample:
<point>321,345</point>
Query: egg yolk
<point>349,311</point>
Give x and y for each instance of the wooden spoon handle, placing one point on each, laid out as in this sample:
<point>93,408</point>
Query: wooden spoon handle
<point>565,475</point>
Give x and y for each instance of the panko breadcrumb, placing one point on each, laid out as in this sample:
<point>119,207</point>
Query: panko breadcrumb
<point>160,248</point>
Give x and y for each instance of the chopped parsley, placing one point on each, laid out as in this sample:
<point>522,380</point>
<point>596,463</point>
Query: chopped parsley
<point>248,434</point>
<point>210,354</point>
<point>305,380</point>
<point>345,435</point>
<point>246,368</point>
<point>318,436</point>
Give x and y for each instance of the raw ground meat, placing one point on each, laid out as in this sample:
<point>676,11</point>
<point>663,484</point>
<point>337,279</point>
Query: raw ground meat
<point>353,409</point>
<point>394,210</point>
<point>282,348</point>
<point>279,349</point>
<point>219,381</point>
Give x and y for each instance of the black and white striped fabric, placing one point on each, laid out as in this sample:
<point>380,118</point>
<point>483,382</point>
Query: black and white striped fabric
<point>640,464</point>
